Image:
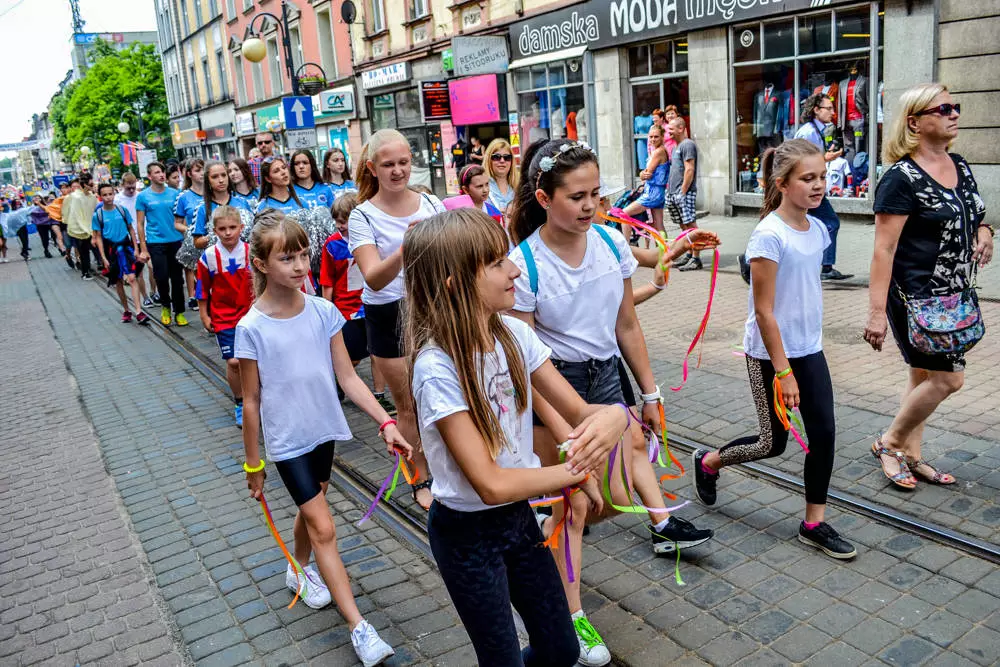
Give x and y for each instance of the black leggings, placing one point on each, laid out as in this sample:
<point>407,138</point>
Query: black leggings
<point>22,236</point>
<point>816,407</point>
<point>490,559</point>
<point>45,233</point>
<point>169,274</point>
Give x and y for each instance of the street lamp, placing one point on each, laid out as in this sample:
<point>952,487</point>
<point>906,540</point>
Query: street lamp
<point>137,108</point>
<point>255,51</point>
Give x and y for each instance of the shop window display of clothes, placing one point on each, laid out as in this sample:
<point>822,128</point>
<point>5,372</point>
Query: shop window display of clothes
<point>769,117</point>
<point>641,125</point>
<point>831,89</point>
<point>839,180</point>
<point>852,110</point>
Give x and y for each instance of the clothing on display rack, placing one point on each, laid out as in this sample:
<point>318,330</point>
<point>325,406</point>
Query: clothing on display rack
<point>852,109</point>
<point>769,116</point>
<point>641,125</point>
<point>831,90</point>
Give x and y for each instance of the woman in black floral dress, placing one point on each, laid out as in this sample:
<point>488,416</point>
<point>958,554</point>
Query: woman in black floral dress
<point>930,235</point>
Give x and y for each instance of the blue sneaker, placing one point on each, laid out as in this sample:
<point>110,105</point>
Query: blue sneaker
<point>239,414</point>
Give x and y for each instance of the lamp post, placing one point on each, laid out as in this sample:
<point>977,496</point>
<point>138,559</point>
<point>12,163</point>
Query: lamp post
<point>137,108</point>
<point>255,51</point>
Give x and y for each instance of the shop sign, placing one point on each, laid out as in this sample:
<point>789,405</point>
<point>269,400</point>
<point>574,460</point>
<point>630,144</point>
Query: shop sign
<point>601,24</point>
<point>184,131</point>
<point>480,55</point>
<point>476,100</point>
<point>434,103</point>
<point>385,76</point>
<point>244,123</point>
<point>266,115</point>
<point>447,60</point>
<point>86,38</point>
<point>218,133</point>
<point>384,102</point>
<point>336,101</point>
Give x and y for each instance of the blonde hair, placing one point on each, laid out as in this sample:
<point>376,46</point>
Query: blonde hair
<point>900,140</point>
<point>780,163</point>
<point>273,231</point>
<point>228,213</point>
<point>443,257</point>
<point>343,205</point>
<point>365,180</point>
<point>514,175</point>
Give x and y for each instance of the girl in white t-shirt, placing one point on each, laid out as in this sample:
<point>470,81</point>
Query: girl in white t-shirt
<point>386,209</point>
<point>291,353</point>
<point>783,341</point>
<point>473,371</point>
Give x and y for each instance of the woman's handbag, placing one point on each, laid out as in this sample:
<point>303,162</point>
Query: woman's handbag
<point>950,324</point>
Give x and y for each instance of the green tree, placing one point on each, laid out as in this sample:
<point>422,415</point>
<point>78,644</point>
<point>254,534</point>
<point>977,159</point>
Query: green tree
<point>87,112</point>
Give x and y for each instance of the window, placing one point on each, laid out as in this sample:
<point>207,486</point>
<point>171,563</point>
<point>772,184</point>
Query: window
<point>274,67</point>
<point>193,81</point>
<point>779,64</point>
<point>296,40</point>
<point>257,73</point>
<point>185,28</point>
<point>213,8</point>
<point>198,16</point>
<point>247,4</point>
<point>241,86</point>
<point>220,62</point>
<point>209,88</point>
<point>378,15</point>
<point>551,101</point>
<point>230,10</point>
<point>658,80</point>
<point>327,54</point>
<point>418,9</point>
<point>202,45</point>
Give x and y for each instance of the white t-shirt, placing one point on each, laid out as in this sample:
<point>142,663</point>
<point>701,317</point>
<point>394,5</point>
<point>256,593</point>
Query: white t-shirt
<point>798,296</point>
<point>128,203</point>
<point>438,394</point>
<point>369,225</point>
<point>298,398</point>
<point>837,171</point>
<point>576,309</point>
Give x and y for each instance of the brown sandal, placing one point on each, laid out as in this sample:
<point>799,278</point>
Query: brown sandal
<point>878,451</point>
<point>937,477</point>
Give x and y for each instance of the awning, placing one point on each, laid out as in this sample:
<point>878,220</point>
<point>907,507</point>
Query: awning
<point>552,56</point>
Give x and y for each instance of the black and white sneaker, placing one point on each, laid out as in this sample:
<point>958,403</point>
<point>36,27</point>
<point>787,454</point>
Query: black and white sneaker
<point>682,261</point>
<point>827,539</point>
<point>694,265</point>
<point>704,483</point>
<point>192,304</point>
<point>678,534</point>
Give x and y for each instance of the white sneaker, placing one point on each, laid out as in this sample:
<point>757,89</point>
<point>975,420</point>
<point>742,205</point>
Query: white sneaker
<point>368,645</point>
<point>312,591</point>
<point>593,651</point>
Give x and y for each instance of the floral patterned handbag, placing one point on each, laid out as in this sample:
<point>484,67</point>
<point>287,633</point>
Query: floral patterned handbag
<point>950,324</point>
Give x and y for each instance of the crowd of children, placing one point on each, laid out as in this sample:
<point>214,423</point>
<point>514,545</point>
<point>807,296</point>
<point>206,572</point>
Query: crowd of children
<point>503,337</point>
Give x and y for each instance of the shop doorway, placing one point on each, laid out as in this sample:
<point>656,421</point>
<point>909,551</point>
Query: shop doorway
<point>658,80</point>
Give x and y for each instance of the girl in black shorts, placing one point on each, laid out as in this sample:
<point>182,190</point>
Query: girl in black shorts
<point>387,208</point>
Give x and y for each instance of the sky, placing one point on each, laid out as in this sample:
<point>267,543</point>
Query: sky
<point>35,49</point>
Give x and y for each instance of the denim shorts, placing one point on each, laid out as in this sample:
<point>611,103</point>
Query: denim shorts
<point>597,382</point>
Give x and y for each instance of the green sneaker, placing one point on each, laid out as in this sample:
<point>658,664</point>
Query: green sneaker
<point>593,652</point>
<point>386,404</point>
<point>165,316</point>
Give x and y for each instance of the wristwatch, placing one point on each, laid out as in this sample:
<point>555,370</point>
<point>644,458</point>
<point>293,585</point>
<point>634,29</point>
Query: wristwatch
<point>655,397</point>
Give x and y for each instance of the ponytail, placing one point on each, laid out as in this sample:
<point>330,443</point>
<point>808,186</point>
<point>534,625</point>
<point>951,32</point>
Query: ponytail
<point>364,178</point>
<point>778,164</point>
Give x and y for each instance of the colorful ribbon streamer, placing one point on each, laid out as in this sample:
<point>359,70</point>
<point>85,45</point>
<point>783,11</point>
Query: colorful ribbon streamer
<point>291,559</point>
<point>704,320</point>
<point>786,416</point>
<point>389,484</point>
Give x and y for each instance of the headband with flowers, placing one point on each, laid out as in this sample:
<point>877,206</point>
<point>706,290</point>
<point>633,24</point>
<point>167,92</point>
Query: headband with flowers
<point>546,163</point>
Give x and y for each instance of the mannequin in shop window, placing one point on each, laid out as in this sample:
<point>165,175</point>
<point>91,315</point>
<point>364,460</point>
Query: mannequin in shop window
<point>641,125</point>
<point>769,115</point>
<point>852,110</point>
<point>831,90</point>
<point>477,152</point>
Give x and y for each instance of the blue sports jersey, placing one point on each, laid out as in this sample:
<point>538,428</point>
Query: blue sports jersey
<point>201,219</point>
<point>159,211</point>
<point>320,194</point>
<point>111,224</point>
<point>286,206</point>
<point>187,203</point>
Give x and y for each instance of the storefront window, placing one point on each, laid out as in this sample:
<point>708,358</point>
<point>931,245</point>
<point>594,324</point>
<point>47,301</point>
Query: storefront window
<point>551,102</point>
<point>659,79</point>
<point>772,80</point>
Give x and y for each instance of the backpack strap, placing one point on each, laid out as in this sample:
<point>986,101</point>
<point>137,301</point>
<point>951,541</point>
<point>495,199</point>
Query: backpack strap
<point>529,265</point>
<point>607,239</point>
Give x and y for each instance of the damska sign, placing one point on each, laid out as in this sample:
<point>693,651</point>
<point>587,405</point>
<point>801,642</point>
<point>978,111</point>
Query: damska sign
<point>600,24</point>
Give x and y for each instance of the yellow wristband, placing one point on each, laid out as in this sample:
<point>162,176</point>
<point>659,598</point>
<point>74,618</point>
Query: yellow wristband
<point>785,373</point>
<point>257,469</point>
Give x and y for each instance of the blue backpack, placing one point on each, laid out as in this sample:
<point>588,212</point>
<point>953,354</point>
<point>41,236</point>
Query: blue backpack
<point>532,269</point>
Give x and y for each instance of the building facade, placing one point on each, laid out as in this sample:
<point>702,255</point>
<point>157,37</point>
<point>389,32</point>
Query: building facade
<point>83,43</point>
<point>320,47</point>
<point>193,46</point>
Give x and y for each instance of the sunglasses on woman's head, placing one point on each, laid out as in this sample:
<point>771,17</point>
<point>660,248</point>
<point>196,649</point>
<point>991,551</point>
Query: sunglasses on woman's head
<point>498,157</point>
<point>941,110</point>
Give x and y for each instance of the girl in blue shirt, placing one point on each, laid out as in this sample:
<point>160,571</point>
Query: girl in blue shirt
<point>309,186</point>
<point>184,209</point>
<point>218,192</point>
<point>337,172</point>
<point>276,189</point>
<point>242,182</point>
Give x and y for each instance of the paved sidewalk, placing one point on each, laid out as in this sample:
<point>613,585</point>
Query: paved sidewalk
<point>75,585</point>
<point>755,595</point>
<point>174,454</point>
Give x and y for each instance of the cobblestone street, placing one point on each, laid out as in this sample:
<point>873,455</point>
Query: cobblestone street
<point>170,542</point>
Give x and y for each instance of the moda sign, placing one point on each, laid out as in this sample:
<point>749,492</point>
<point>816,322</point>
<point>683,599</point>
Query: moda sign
<point>600,24</point>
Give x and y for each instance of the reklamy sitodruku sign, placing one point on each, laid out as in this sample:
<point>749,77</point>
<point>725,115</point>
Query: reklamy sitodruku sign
<point>608,23</point>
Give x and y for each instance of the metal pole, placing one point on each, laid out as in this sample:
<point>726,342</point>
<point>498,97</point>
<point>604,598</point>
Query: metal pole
<point>142,128</point>
<point>287,42</point>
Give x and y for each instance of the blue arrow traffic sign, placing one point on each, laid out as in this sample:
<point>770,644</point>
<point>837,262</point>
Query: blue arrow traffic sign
<point>298,112</point>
